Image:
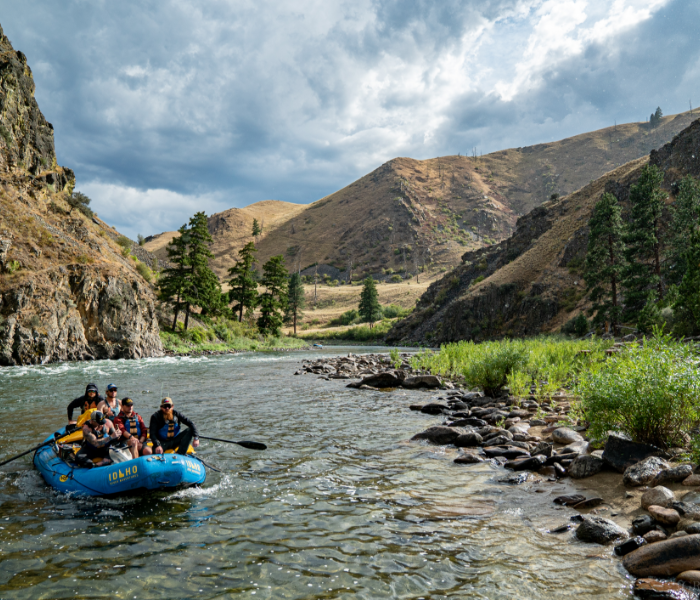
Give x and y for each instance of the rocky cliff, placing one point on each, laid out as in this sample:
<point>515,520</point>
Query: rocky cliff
<point>66,290</point>
<point>531,283</point>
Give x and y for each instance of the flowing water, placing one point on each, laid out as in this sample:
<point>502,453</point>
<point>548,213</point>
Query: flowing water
<point>339,506</point>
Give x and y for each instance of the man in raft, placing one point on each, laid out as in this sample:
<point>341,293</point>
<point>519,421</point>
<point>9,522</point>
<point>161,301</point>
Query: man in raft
<point>166,432</point>
<point>133,429</point>
<point>91,399</point>
<point>98,434</point>
<point>111,405</point>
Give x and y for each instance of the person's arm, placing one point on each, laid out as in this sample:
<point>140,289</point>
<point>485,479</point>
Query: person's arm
<point>144,431</point>
<point>187,422</point>
<point>90,437</point>
<point>119,423</point>
<point>77,403</point>
<point>153,428</point>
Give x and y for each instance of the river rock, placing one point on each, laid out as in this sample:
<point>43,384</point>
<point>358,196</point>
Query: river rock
<point>652,589</point>
<point>530,463</point>
<point>665,516</point>
<point>642,525</point>
<point>621,453</point>
<point>509,452</point>
<point>692,480</point>
<point>655,535</point>
<point>439,434</point>
<point>422,381</point>
<point>543,448</point>
<point>598,530</point>
<point>569,500</point>
<point>686,509</point>
<point>467,440</point>
<point>659,495</point>
<point>629,545</point>
<point>643,472</point>
<point>387,379</point>
<point>499,440</point>
<point>468,459</point>
<point>515,478</point>
<point>564,435</point>
<point>665,558</point>
<point>585,465</point>
<point>589,503</point>
<point>458,406</point>
<point>434,408</point>
<point>469,422</point>
<point>692,577</point>
<point>672,475</point>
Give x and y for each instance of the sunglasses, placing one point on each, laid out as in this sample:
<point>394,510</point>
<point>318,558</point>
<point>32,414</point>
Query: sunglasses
<point>111,391</point>
<point>166,405</point>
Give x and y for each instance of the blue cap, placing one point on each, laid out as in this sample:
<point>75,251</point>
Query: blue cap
<point>111,386</point>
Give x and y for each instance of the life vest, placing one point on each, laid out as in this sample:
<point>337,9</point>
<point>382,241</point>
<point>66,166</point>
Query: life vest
<point>132,425</point>
<point>169,430</point>
<point>88,404</point>
<point>114,411</point>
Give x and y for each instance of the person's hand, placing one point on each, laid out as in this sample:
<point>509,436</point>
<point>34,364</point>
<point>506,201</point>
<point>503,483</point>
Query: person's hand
<point>195,443</point>
<point>72,422</point>
<point>159,450</point>
<point>116,434</point>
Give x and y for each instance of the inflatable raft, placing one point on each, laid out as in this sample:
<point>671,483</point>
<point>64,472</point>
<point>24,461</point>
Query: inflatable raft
<point>154,472</point>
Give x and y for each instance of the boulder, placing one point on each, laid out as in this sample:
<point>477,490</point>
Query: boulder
<point>665,558</point>
<point>543,448</point>
<point>499,440</point>
<point>598,530</point>
<point>434,408</point>
<point>468,459</point>
<point>469,422</point>
<point>387,379</point>
<point>652,589</point>
<point>564,435</point>
<point>642,525</point>
<point>528,463</point>
<point>692,480</point>
<point>439,434</point>
<point>422,381</point>
<point>585,465</point>
<point>509,452</point>
<point>569,500</point>
<point>660,496</point>
<point>467,440</point>
<point>621,453</point>
<point>643,472</point>
<point>665,516</point>
<point>629,545</point>
<point>672,475</point>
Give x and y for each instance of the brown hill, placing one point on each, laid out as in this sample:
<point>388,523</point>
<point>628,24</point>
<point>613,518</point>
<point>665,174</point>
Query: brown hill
<point>409,213</point>
<point>66,290</point>
<point>531,283</point>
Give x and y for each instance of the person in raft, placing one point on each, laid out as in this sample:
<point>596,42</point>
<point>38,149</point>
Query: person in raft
<point>130,423</point>
<point>166,432</point>
<point>111,405</point>
<point>91,399</point>
<point>98,435</point>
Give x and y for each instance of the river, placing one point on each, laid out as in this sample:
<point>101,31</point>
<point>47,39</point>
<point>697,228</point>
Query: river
<point>339,506</point>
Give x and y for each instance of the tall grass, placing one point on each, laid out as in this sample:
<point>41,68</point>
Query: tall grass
<point>361,333</point>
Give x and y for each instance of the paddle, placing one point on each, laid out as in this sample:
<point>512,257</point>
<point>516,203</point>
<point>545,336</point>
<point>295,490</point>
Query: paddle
<point>249,445</point>
<point>206,464</point>
<point>26,452</point>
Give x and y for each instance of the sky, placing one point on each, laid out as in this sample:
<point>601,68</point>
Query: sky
<point>167,107</point>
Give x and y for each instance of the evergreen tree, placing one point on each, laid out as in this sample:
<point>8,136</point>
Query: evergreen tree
<point>81,202</point>
<point>650,315</point>
<point>604,260</point>
<point>369,308</point>
<point>686,215</point>
<point>273,301</point>
<point>686,307</point>
<point>243,284</point>
<point>257,230</point>
<point>642,239</point>
<point>295,301</point>
<point>175,280</point>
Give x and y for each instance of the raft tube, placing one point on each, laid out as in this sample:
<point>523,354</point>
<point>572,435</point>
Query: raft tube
<point>154,472</point>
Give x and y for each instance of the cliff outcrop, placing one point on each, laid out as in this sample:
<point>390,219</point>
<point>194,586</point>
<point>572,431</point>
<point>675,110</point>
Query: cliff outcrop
<point>66,290</point>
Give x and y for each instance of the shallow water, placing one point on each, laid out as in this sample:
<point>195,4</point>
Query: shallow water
<point>339,506</point>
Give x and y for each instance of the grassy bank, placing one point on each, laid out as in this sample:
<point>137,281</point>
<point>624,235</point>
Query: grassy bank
<point>359,333</point>
<point>224,336</point>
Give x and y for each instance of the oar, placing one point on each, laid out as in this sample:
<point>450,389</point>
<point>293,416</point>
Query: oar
<point>26,452</point>
<point>206,464</point>
<point>249,445</point>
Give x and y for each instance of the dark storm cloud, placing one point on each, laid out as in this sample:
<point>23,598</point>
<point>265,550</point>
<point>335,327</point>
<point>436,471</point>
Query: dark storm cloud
<point>171,106</point>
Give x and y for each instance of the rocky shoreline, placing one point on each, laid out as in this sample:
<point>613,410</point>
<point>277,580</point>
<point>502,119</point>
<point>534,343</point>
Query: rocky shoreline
<point>645,504</point>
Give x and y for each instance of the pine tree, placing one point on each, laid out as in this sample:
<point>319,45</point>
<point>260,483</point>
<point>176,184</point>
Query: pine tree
<point>204,290</point>
<point>604,260</point>
<point>686,308</point>
<point>686,214</point>
<point>273,301</point>
<point>295,301</point>
<point>174,281</point>
<point>257,230</point>
<point>369,308</point>
<point>643,244</point>
<point>243,284</point>
<point>650,315</point>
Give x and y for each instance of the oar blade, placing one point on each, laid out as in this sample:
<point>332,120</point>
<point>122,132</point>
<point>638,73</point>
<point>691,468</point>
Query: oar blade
<point>253,445</point>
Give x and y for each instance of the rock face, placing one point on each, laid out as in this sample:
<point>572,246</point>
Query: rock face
<point>66,290</point>
<point>665,558</point>
<point>644,472</point>
<point>598,530</point>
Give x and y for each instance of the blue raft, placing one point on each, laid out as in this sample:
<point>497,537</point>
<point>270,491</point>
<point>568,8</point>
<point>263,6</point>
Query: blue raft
<point>154,472</point>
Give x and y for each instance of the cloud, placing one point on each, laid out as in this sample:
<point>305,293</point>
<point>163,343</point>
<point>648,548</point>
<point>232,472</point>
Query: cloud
<point>163,106</point>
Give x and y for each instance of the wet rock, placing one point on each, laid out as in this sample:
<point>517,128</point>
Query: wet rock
<point>693,528</point>
<point>519,413</point>
<point>468,459</point>
<point>585,465</point>
<point>531,463</point>
<point>515,478</point>
<point>422,381</point>
<point>655,535</point>
<point>499,440</point>
<point>470,422</point>
<point>665,558</point>
<point>678,534</point>
<point>629,545</point>
<point>543,448</point>
<point>588,503</point>
<point>561,528</point>
<point>569,500</point>
<point>659,496</point>
<point>692,497</point>
<point>651,589</point>
<point>498,433</point>
<point>598,530</point>
<point>620,453</point>
<point>416,407</point>
<point>537,422</point>
<point>665,516</point>
<point>439,434</point>
<point>434,408</point>
<point>564,435</point>
<point>643,472</point>
<point>559,470</point>
<point>467,440</point>
<point>509,452</point>
<point>672,475</point>
<point>687,509</point>
<point>459,406</point>
<point>387,379</point>
<point>692,577</point>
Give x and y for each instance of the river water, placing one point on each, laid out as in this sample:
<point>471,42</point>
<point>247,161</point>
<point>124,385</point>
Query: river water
<point>339,506</point>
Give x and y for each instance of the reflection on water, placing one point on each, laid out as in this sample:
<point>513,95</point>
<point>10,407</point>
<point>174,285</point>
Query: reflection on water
<point>339,506</point>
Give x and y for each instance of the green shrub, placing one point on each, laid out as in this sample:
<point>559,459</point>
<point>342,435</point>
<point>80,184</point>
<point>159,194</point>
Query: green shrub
<point>393,311</point>
<point>478,279</point>
<point>491,363</point>
<point>144,271</point>
<point>578,326</point>
<point>396,278</point>
<point>649,391</point>
<point>395,357</point>
<point>124,242</point>
<point>12,266</point>
<point>347,318</point>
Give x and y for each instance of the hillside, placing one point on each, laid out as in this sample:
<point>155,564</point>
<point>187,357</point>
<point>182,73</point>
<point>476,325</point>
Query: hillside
<point>531,283</point>
<point>412,213</point>
<point>66,290</point>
